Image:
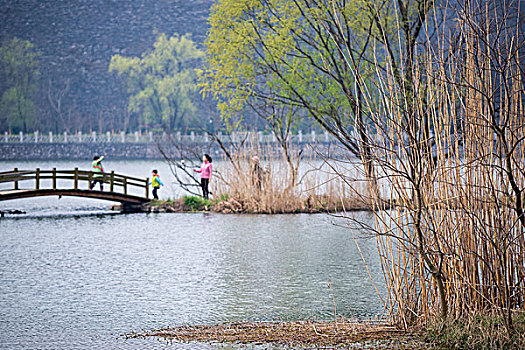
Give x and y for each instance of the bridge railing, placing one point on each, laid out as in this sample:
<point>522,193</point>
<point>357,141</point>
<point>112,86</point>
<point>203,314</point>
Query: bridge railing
<point>76,176</point>
<point>153,137</point>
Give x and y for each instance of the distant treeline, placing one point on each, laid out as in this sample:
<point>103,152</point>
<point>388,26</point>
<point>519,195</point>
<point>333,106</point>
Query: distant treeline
<point>55,58</point>
<point>63,67</point>
<point>54,62</point>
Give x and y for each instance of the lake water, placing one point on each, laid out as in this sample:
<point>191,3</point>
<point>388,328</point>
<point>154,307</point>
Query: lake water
<point>74,275</point>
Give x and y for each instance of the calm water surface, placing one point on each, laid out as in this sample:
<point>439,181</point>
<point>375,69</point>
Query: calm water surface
<point>74,275</point>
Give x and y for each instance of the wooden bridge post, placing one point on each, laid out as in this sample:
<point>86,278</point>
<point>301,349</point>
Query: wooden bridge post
<point>76,179</point>
<point>90,179</point>
<point>54,178</point>
<point>111,181</point>
<point>16,182</point>
<point>125,184</point>
<point>37,179</point>
<point>147,187</point>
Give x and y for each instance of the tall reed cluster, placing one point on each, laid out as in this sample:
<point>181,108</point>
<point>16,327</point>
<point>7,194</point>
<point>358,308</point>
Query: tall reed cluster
<point>260,179</point>
<point>453,147</point>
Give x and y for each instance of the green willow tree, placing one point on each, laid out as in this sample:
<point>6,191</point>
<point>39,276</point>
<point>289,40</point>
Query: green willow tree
<point>311,56</point>
<point>19,75</point>
<point>162,82</point>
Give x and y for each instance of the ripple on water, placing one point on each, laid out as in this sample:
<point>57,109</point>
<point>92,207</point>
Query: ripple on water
<point>78,279</point>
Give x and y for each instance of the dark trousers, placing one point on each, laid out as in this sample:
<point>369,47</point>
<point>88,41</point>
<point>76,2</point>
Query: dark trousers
<point>155,193</point>
<point>94,182</point>
<point>204,185</point>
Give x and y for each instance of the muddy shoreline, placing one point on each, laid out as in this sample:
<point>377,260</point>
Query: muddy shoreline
<point>298,335</point>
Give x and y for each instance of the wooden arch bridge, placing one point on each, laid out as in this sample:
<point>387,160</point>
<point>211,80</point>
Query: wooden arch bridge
<point>37,183</point>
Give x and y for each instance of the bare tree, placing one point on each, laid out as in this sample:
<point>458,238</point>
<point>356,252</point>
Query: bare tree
<point>56,97</point>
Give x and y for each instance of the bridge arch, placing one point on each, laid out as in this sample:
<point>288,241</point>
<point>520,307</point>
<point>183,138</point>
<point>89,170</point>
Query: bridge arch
<point>119,185</point>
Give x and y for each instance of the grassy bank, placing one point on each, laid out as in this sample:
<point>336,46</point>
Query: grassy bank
<point>227,205</point>
<point>477,331</point>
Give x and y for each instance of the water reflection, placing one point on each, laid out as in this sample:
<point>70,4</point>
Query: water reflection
<point>79,280</point>
<point>75,275</point>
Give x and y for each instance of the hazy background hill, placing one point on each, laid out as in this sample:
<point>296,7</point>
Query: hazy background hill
<point>76,39</point>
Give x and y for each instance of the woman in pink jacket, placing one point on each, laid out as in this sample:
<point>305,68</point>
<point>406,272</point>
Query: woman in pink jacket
<point>205,171</point>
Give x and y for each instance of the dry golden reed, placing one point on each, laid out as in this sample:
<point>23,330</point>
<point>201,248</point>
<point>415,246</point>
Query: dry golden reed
<point>281,185</point>
<point>454,150</point>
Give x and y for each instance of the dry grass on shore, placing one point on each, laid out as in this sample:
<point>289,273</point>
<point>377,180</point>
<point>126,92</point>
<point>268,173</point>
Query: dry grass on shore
<point>312,204</point>
<point>281,185</point>
<point>300,334</point>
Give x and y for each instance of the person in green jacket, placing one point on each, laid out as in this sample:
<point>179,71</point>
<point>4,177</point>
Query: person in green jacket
<point>155,183</point>
<point>98,169</point>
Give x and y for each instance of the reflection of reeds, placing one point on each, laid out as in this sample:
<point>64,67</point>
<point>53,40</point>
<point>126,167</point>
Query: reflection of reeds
<point>455,246</point>
<point>277,190</point>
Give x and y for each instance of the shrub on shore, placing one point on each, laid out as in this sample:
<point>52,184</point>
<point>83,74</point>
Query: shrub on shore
<point>195,203</point>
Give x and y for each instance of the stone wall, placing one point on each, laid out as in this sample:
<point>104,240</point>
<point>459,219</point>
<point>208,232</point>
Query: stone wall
<point>81,151</point>
<point>137,150</point>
